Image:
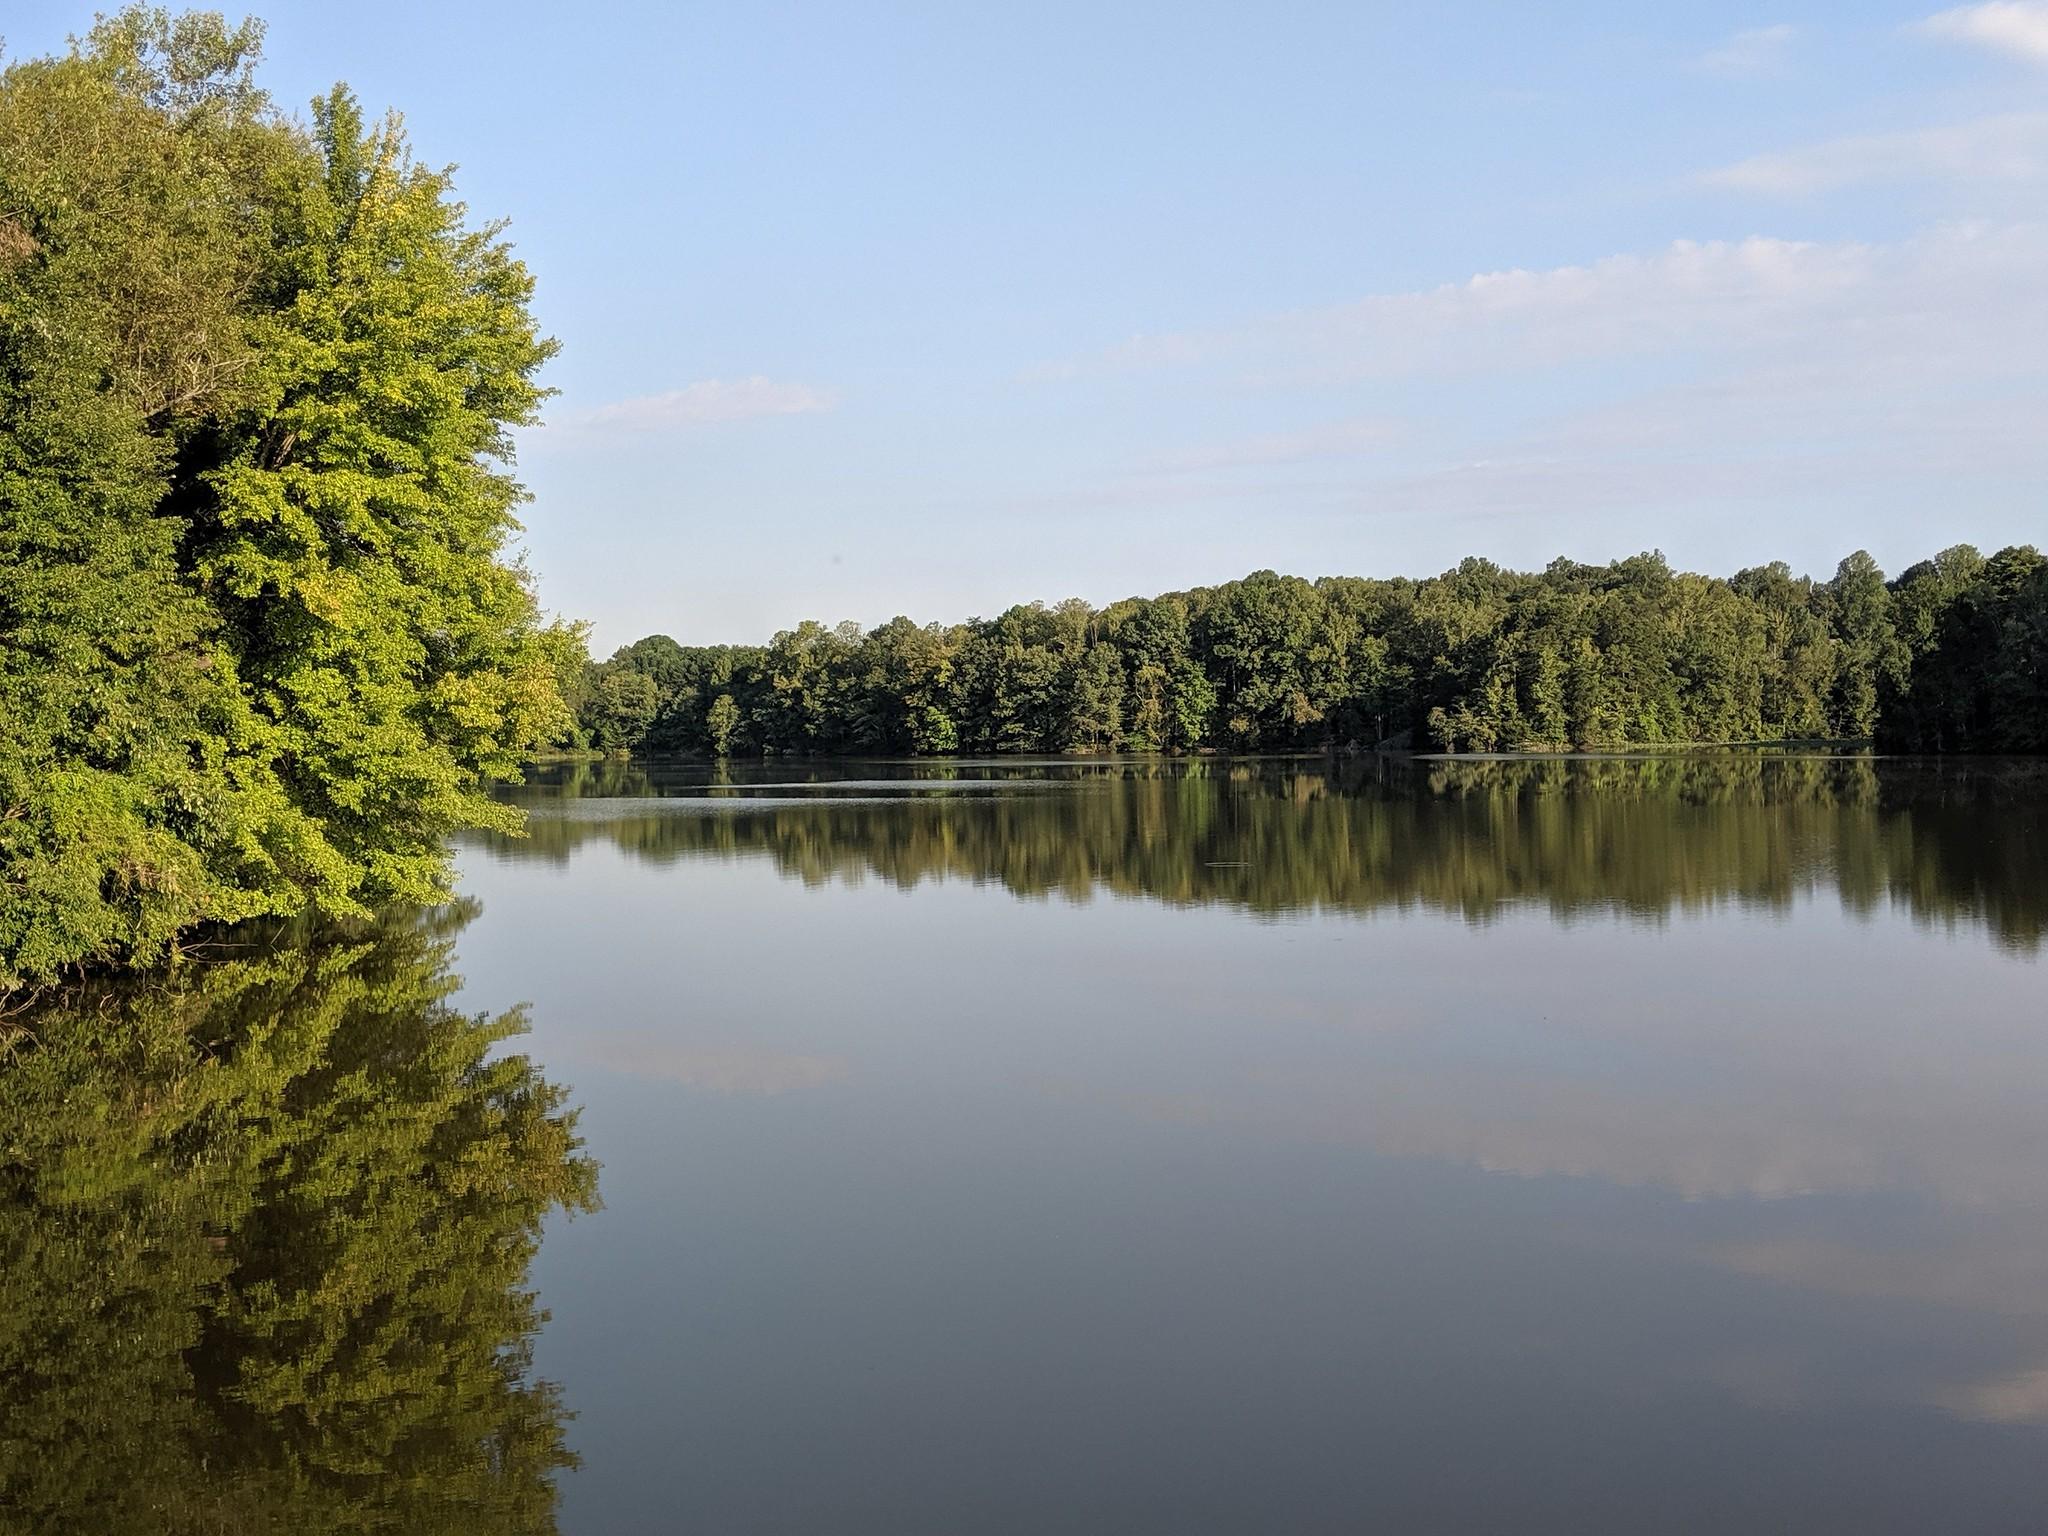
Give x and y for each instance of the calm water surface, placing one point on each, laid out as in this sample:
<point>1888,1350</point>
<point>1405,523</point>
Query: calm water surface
<point>1463,1146</point>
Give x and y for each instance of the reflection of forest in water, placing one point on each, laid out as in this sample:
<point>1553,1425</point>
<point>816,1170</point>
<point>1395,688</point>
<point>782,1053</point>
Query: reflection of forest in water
<point>264,1234</point>
<point>1949,841</point>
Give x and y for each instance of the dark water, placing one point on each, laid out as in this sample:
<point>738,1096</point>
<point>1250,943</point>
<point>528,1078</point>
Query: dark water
<point>1556,1146</point>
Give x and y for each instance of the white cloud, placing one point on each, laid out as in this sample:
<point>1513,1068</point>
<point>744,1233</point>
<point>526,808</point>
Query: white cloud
<point>2008,147</point>
<point>1756,51</point>
<point>708,400</point>
<point>1892,363</point>
<point>2017,27</point>
<point>1754,373</point>
<point>1690,291</point>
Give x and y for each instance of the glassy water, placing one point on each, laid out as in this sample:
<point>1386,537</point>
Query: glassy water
<point>264,1234</point>
<point>1536,1146</point>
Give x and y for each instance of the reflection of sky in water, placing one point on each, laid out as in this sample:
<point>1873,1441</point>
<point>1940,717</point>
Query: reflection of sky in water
<point>930,1208</point>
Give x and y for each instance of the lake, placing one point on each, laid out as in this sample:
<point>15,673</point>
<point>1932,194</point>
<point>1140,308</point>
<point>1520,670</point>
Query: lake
<point>1556,1145</point>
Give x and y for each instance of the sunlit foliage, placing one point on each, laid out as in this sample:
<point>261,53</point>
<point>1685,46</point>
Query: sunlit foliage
<point>1478,659</point>
<point>259,647</point>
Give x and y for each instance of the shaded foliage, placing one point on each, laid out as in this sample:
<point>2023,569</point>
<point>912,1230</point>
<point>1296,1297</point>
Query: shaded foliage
<point>1973,634</point>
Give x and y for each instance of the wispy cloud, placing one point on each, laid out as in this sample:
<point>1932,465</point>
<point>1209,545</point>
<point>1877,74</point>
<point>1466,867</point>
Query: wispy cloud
<point>1757,371</point>
<point>706,401</point>
<point>2007,147</point>
<point>2016,27</point>
<point>1702,291</point>
<point>1749,54</point>
<point>1923,365</point>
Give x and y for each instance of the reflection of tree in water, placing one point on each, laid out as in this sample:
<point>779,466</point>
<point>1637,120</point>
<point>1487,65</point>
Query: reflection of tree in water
<point>1953,842</point>
<point>264,1234</point>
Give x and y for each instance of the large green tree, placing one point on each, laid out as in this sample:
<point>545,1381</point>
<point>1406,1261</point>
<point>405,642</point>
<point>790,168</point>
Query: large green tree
<point>260,644</point>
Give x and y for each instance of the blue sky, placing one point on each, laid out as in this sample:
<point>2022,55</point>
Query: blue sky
<point>932,308</point>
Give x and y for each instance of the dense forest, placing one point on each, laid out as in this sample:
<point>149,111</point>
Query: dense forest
<point>261,648</point>
<point>1951,656</point>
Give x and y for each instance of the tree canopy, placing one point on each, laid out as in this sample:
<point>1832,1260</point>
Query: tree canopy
<point>1952,656</point>
<point>260,644</point>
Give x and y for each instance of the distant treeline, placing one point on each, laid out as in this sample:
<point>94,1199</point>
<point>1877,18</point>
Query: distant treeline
<point>1952,656</point>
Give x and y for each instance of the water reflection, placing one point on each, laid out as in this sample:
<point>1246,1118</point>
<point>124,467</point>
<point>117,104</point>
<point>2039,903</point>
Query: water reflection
<point>1561,1146</point>
<point>264,1235</point>
<point>1950,842</point>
